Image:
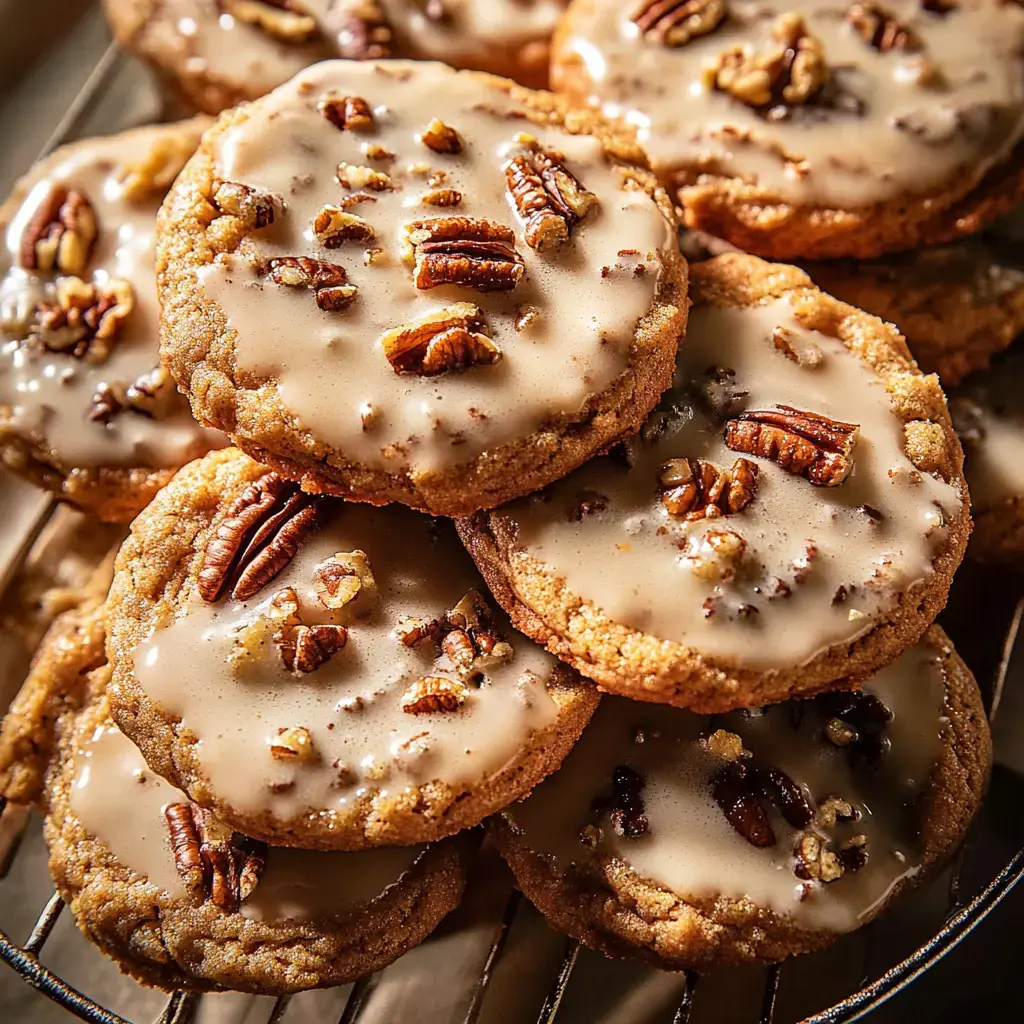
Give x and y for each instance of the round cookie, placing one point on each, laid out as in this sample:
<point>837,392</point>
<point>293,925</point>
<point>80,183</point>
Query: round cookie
<point>988,414</point>
<point>85,409</point>
<point>791,515</point>
<point>179,901</point>
<point>957,305</point>
<point>810,130</point>
<point>658,838</point>
<point>358,693</point>
<point>396,330</point>
<point>217,53</point>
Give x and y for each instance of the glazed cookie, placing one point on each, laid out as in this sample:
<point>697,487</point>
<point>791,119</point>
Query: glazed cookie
<point>347,686</point>
<point>374,279</point>
<point>85,409</point>
<point>696,842</point>
<point>810,130</point>
<point>988,413</point>
<point>216,53</point>
<point>957,305</point>
<point>790,516</point>
<point>178,900</point>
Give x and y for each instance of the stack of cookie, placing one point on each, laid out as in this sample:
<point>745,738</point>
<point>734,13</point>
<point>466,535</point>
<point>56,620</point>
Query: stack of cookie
<point>406,293</point>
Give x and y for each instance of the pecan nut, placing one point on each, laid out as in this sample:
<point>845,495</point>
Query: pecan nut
<point>348,113</point>
<point>356,176</point>
<point>815,859</point>
<point>441,137</point>
<point>695,489</point>
<point>342,578</point>
<point>360,29</point>
<point>214,862</point>
<point>85,319</point>
<point>548,197</point>
<point>257,537</point>
<point>334,227</point>
<point>329,281</point>
<point>254,208</point>
<point>450,340</point>
<point>150,394</point>
<point>881,29</point>
<point>806,444</point>
<point>676,22</point>
<point>473,253</point>
<point>294,744</point>
<point>286,20</point>
<point>858,721</point>
<point>60,234</point>
<point>432,695</point>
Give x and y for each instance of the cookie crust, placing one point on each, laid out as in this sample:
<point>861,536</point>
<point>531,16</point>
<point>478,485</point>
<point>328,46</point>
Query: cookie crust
<point>646,667</point>
<point>609,907</point>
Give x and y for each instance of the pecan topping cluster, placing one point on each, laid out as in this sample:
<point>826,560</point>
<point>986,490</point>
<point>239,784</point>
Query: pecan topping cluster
<point>451,340</point>
<point>790,73</point>
<point>857,721</point>
<point>881,29</point>
<point>547,196</point>
<point>61,233</point>
<point>254,208</point>
<point>303,648</point>
<point>257,537</point>
<point>286,20</point>
<point>803,443</point>
<point>676,22</point>
<point>625,807</point>
<point>360,29</point>
<point>818,860</point>
<point>466,251</point>
<point>215,863</point>
<point>695,489</point>
<point>329,281</point>
<point>85,318</point>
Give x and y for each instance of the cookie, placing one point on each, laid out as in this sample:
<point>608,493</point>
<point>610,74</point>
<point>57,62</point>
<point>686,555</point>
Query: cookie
<point>792,514</point>
<point>694,842</point>
<point>179,901</point>
<point>347,684</point>
<point>397,282</point>
<point>957,305</point>
<point>988,414</point>
<point>85,409</point>
<point>813,130</point>
<point>217,53</point>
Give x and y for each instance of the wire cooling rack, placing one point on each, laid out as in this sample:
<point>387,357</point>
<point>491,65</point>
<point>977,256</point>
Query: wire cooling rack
<point>987,640</point>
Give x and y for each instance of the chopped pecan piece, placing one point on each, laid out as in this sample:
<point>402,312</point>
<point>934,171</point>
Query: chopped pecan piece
<point>150,394</point>
<point>286,20</point>
<point>694,489</point>
<point>447,341</point>
<point>440,137</point>
<point>626,806</point>
<point>804,443</point>
<point>857,721</point>
<point>726,745</point>
<point>293,744</point>
<point>256,538</point>
<point>413,630</point>
<point>832,810</point>
<point>214,862</point>
<point>790,73</point>
<point>360,29</point>
<point>356,176</point>
<point>470,252</point>
<point>443,197</point>
<point>85,319</point>
<point>255,209</point>
<point>881,29</point>
<point>433,694</point>
<point>676,22</point>
<point>328,280</point>
<point>342,578</point>
<point>305,648</point>
<point>547,196</point>
<point>349,113</point>
<point>334,227</point>
<point>717,556</point>
<point>60,235</point>
<point>815,861</point>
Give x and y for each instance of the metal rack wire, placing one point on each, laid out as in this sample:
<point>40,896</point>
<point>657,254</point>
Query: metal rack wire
<point>180,1008</point>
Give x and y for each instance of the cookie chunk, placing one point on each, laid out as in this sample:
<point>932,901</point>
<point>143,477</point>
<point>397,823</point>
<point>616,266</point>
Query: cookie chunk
<point>325,675</point>
<point>85,409</point>
<point>695,842</point>
<point>216,53</point>
<point>178,900</point>
<point>791,514</point>
<point>813,130</point>
<point>397,282</point>
<point>988,413</point>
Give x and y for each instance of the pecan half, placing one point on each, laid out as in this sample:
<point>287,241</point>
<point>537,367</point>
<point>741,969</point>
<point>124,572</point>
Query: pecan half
<point>626,806</point>
<point>881,29</point>
<point>60,235</point>
<point>695,489</point>
<point>328,280</point>
<point>547,196</point>
<point>433,694</point>
<point>804,443</point>
<point>286,20</point>
<point>450,340</point>
<point>214,862</point>
<point>441,137</point>
<point>349,113</point>
<point>791,72</point>
<point>466,251</point>
<point>740,788</point>
<point>254,208</point>
<point>85,319</point>
<point>676,22</point>
<point>257,537</point>
<point>343,577</point>
<point>334,227</point>
<point>360,29</point>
